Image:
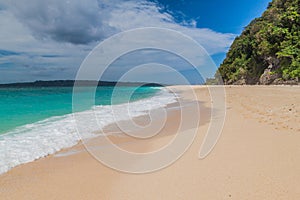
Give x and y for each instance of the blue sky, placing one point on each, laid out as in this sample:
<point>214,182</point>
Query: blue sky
<point>222,16</point>
<point>48,40</point>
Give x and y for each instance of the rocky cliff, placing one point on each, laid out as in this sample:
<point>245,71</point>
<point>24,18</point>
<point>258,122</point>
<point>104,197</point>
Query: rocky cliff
<point>268,50</point>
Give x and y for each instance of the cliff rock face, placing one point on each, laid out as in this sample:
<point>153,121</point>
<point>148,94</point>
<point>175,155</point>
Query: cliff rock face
<point>268,50</point>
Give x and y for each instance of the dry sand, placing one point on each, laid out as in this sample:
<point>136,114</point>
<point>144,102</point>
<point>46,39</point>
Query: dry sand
<point>256,157</point>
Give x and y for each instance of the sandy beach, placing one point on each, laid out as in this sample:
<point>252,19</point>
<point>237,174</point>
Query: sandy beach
<point>256,157</point>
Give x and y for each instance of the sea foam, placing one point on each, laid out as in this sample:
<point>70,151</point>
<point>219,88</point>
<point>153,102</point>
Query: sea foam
<point>33,141</point>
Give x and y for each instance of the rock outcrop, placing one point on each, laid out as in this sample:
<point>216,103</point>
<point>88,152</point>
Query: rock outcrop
<point>268,50</point>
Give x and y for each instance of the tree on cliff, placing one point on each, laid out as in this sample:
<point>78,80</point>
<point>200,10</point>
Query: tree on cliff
<point>268,50</point>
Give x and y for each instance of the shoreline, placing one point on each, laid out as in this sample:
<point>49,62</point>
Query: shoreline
<point>256,157</point>
<point>64,134</point>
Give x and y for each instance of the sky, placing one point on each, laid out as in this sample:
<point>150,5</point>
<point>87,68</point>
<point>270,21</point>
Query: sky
<point>49,40</point>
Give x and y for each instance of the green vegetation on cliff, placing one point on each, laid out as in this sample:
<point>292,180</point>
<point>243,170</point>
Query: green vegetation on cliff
<point>268,50</point>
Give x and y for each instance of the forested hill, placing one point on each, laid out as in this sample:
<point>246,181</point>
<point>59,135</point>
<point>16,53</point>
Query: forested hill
<point>268,50</point>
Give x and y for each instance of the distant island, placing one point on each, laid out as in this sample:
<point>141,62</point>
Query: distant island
<point>268,50</point>
<point>70,83</point>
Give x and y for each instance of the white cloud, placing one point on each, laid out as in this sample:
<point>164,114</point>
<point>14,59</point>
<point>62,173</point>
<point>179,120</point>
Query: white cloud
<point>134,15</point>
<point>58,34</point>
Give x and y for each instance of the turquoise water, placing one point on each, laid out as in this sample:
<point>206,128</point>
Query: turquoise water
<point>21,106</point>
<point>36,122</point>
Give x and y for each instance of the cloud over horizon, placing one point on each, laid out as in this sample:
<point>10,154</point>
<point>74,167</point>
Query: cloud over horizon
<point>57,35</point>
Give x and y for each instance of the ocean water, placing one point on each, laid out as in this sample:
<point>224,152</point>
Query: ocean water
<point>35,122</point>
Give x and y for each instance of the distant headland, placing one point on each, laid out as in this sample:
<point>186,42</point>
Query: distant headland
<point>70,83</point>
